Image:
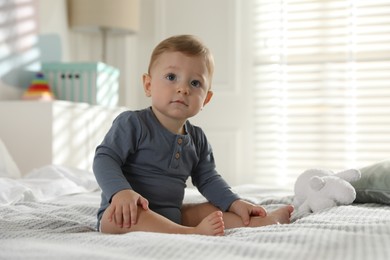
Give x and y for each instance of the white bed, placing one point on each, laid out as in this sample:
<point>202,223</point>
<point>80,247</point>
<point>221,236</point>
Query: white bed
<point>50,213</point>
<point>64,228</point>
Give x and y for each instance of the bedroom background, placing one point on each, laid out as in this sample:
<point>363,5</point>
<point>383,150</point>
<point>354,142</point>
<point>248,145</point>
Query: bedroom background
<point>298,84</point>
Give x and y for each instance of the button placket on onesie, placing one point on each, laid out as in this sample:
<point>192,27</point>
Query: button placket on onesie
<point>177,152</point>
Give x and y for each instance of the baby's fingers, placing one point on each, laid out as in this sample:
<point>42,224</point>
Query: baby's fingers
<point>144,203</point>
<point>118,217</point>
<point>259,211</point>
<point>133,213</point>
<point>245,219</point>
<point>126,216</point>
<point>110,212</point>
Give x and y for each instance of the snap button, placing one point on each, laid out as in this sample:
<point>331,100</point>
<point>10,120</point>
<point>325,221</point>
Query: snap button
<point>177,155</point>
<point>179,141</point>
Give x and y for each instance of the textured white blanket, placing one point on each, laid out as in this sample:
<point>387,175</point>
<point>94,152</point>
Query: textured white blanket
<point>65,229</point>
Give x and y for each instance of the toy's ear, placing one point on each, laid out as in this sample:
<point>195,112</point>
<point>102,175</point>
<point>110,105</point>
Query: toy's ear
<point>349,175</point>
<point>317,183</point>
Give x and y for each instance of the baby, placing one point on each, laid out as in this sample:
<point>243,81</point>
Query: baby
<point>146,157</point>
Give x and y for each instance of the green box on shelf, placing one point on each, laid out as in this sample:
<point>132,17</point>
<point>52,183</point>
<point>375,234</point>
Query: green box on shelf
<point>95,83</point>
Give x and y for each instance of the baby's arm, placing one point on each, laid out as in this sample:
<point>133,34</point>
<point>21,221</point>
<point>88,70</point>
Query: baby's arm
<point>246,210</point>
<point>124,206</point>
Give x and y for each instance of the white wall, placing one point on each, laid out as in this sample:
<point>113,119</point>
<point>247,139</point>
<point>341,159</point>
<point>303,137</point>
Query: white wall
<point>53,20</point>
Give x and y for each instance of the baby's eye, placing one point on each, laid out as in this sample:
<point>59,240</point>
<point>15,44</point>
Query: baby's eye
<point>196,83</point>
<point>171,77</point>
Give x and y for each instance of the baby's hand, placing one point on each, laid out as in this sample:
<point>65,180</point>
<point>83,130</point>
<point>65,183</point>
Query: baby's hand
<point>246,210</point>
<point>123,208</point>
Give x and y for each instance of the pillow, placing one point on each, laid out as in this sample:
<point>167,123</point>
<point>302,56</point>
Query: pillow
<point>374,185</point>
<point>8,167</point>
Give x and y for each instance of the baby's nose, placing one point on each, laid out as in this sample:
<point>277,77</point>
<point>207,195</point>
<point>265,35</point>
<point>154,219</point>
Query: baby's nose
<point>183,89</point>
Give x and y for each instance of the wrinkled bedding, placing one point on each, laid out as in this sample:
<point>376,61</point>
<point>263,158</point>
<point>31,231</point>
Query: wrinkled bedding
<point>56,221</point>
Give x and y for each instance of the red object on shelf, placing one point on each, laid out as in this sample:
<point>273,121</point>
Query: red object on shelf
<point>39,89</point>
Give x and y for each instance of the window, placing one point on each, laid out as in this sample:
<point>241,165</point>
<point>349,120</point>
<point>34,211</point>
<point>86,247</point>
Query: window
<point>322,86</point>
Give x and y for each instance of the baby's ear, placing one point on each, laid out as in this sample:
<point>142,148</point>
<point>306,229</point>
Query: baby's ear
<point>146,79</point>
<point>208,97</point>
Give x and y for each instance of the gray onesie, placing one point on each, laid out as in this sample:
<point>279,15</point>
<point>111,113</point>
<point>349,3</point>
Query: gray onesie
<point>139,153</point>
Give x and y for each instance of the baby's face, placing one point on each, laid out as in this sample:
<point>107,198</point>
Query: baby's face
<point>179,85</point>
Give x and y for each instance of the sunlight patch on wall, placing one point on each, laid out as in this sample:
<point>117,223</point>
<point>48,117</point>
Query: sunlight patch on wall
<point>19,54</point>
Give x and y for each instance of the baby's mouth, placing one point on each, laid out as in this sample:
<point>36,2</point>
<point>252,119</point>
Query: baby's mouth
<point>179,102</point>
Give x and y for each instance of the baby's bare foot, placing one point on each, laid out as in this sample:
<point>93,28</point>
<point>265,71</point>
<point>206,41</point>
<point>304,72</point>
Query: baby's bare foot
<point>279,216</point>
<point>211,225</point>
<point>282,215</point>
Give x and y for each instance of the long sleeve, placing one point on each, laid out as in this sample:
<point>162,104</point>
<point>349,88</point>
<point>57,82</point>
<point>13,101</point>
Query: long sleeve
<point>111,155</point>
<point>205,177</point>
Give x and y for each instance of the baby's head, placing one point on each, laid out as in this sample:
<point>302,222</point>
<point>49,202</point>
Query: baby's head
<point>187,44</point>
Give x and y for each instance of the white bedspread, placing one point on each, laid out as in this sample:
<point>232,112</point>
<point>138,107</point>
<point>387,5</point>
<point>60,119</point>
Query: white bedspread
<point>64,228</point>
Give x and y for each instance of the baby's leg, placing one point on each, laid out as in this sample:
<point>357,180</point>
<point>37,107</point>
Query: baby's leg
<point>149,221</point>
<point>192,214</point>
<point>279,216</point>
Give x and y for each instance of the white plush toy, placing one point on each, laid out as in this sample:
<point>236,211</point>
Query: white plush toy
<point>317,189</point>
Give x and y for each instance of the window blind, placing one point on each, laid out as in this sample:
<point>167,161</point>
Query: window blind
<point>322,86</point>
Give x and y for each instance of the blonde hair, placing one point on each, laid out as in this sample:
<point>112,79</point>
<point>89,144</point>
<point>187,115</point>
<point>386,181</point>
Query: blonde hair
<point>186,44</point>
